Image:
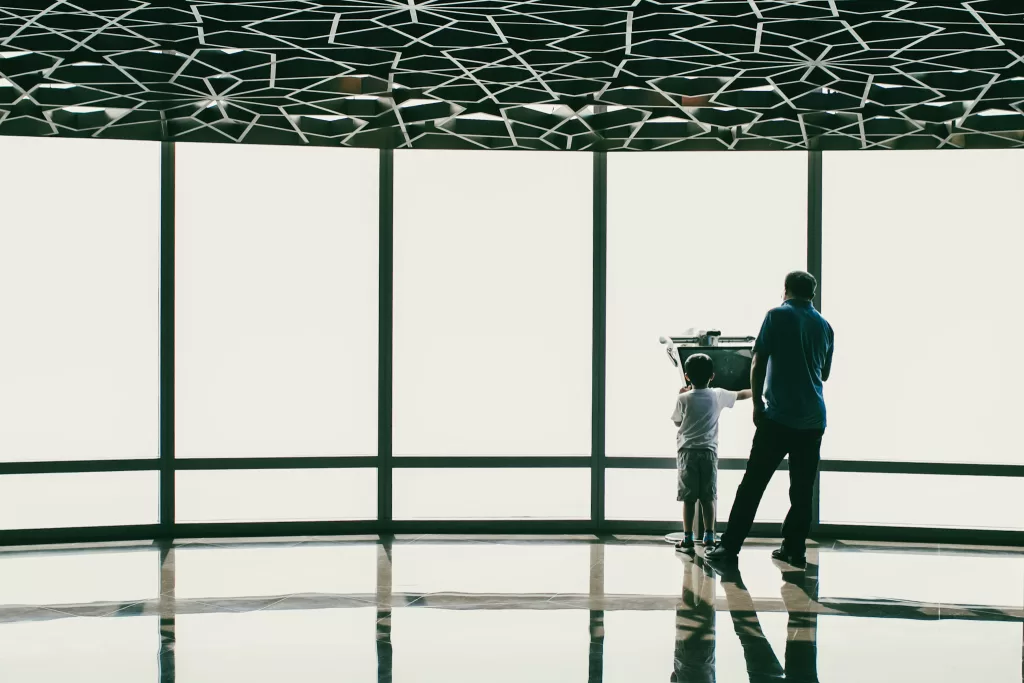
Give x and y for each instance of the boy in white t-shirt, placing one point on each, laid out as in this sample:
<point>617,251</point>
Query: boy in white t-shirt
<point>698,408</point>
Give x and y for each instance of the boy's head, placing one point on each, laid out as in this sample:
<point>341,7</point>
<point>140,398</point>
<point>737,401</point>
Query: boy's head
<point>800,285</point>
<point>699,370</point>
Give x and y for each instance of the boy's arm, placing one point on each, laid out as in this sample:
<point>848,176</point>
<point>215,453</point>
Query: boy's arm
<point>744,395</point>
<point>677,414</point>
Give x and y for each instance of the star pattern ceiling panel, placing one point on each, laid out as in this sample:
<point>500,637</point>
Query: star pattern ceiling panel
<point>519,74</point>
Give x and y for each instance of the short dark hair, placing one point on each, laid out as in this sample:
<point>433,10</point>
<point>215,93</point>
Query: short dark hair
<point>801,285</point>
<point>699,368</point>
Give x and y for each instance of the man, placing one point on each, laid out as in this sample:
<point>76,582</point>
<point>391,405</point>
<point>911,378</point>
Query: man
<point>792,357</point>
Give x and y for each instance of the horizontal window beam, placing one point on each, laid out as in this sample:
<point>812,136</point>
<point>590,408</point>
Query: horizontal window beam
<point>299,463</point>
<point>657,463</point>
<point>490,462</point>
<point>76,466</point>
<point>875,466</point>
<point>92,534</point>
<point>827,532</point>
<point>945,468</point>
<point>908,534</point>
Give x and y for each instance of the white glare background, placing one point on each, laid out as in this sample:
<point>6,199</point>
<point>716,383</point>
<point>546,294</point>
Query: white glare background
<point>277,301</point>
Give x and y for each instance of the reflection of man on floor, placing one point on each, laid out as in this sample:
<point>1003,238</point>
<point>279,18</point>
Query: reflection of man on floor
<point>801,663</point>
<point>695,626</point>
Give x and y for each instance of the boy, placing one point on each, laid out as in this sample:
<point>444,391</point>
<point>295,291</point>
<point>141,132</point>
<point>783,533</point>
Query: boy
<point>698,408</point>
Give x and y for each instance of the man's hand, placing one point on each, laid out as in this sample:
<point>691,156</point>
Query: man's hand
<point>758,412</point>
<point>685,389</point>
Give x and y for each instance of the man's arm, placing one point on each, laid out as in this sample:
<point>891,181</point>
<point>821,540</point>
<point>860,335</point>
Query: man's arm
<point>827,369</point>
<point>758,371</point>
<point>759,364</point>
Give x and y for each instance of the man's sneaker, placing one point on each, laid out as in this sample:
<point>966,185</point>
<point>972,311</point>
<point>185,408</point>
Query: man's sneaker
<point>685,544</point>
<point>721,554</point>
<point>794,560</point>
<point>709,540</point>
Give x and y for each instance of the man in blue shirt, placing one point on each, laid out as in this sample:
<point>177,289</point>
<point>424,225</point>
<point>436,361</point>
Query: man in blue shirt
<point>792,357</point>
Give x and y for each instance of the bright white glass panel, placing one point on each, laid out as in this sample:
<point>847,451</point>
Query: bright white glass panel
<point>63,578</point>
<point>491,568</point>
<point>511,493</point>
<point>48,501</point>
<point>80,273</point>
<point>853,649</point>
<point>921,262</point>
<point>276,495</point>
<point>948,578</point>
<point>695,240</point>
<point>642,570</point>
<point>493,290</point>
<point>656,570</point>
<point>276,301</point>
<point>248,572</point>
<point>650,495</point>
<point>641,646</point>
<point>551,646</point>
<point>85,649</point>
<point>270,646</point>
<point>924,500</point>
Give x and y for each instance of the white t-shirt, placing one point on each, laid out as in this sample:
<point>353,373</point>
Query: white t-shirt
<point>697,414</point>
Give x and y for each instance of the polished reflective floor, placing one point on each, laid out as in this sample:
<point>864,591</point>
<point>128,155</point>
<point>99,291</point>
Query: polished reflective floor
<point>566,609</point>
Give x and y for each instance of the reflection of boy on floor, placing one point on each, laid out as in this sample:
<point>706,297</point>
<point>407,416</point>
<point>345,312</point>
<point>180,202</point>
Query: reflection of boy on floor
<point>694,658</point>
<point>696,415</point>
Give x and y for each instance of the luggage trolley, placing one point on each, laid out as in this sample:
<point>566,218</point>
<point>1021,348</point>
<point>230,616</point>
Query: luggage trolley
<point>732,357</point>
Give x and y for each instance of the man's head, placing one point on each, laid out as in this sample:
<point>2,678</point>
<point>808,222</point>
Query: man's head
<point>699,370</point>
<point>800,285</point>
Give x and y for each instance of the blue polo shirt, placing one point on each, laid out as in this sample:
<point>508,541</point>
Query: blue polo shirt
<point>798,343</point>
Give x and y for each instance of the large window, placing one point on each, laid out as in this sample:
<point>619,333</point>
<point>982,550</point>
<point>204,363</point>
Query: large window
<point>650,495</point>
<point>921,256</point>
<point>276,301</point>
<point>492,317</point>
<point>276,495</point>
<point>490,309</point>
<point>695,241</point>
<point>79,276</point>
<point>51,501</point>
<point>492,493</point>
<point>922,500</point>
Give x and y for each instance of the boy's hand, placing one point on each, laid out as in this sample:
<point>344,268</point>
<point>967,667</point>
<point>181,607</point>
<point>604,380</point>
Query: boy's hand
<point>685,389</point>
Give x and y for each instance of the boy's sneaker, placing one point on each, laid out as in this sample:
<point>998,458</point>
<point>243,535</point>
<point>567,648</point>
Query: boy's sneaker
<point>685,544</point>
<point>709,540</point>
<point>782,555</point>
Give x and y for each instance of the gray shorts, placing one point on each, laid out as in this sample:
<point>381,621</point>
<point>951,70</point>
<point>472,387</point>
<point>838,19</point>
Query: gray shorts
<point>698,474</point>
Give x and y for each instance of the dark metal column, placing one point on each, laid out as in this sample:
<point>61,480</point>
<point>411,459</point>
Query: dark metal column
<point>384,339</point>
<point>168,614</point>
<point>600,296</point>
<point>814,187</point>
<point>166,338</point>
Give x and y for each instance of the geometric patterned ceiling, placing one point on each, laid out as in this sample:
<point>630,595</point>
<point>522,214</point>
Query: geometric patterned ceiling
<point>519,74</point>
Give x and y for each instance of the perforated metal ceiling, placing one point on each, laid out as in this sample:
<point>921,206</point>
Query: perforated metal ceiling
<point>580,74</point>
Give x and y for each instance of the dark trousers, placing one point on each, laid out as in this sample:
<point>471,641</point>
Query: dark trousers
<point>772,443</point>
